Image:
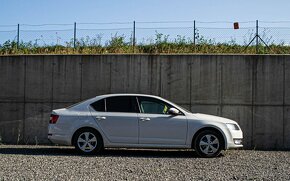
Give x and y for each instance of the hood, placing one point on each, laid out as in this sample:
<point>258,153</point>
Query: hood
<point>208,117</point>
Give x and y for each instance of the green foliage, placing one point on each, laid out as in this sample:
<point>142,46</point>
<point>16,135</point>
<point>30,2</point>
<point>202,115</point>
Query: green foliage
<point>158,45</point>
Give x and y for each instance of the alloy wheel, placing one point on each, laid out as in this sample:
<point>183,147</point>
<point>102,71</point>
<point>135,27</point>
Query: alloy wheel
<point>209,144</point>
<point>87,142</point>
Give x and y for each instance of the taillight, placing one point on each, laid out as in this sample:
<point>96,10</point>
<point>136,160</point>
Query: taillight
<point>53,118</point>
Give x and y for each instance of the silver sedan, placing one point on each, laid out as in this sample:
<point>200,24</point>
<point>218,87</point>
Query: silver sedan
<point>140,121</point>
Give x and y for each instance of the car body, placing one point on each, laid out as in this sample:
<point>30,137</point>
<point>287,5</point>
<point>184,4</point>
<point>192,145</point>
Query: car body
<point>140,121</point>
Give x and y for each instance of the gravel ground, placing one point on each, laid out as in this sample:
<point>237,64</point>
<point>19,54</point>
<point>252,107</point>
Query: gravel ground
<point>62,163</point>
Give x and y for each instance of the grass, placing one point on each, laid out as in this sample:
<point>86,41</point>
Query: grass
<point>161,44</point>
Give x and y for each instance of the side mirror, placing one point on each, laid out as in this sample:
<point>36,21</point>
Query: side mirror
<point>173,111</point>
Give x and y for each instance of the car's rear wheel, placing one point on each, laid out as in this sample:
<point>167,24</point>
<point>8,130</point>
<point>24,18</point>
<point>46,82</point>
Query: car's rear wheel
<point>88,141</point>
<point>208,143</point>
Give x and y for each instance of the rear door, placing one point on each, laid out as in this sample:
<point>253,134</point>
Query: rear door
<point>156,126</point>
<point>118,120</point>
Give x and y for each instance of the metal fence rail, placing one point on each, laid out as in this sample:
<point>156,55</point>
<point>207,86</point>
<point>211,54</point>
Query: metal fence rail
<point>249,33</point>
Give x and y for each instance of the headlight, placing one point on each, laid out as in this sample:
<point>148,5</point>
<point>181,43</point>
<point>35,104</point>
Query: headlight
<point>232,126</point>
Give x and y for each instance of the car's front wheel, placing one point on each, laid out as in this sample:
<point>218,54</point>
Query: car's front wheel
<point>208,143</point>
<point>88,141</point>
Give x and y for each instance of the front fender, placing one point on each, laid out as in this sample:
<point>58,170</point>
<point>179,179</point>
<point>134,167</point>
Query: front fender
<point>194,130</point>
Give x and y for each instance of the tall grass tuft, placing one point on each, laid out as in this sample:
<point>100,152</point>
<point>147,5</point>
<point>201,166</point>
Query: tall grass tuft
<point>161,44</point>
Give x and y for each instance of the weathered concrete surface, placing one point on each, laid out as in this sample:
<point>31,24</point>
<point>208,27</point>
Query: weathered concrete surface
<point>175,78</point>
<point>12,77</point>
<point>38,79</point>
<point>268,127</point>
<point>286,127</point>
<point>254,90</point>
<point>237,80</point>
<point>205,80</point>
<point>12,122</point>
<point>96,76</point>
<point>36,118</point>
<point>269,80</point>
<point>67,79</point>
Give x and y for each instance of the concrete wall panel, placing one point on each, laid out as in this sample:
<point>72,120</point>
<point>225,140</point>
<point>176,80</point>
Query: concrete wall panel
<point>268,127</point>
<point>149,74</point>
<point>67,78</point>
<point>286,130</point>
<point>38,78</point>
<point>11,122</point>
<point>12,74</point>
<point>125,74</point>
<point>36,122</point>
<point>287,79</point>
<point>95,76</point>
<point>175,78</point>
<point>237,80</point>
<point>205,76</point>
<point>269,80</point>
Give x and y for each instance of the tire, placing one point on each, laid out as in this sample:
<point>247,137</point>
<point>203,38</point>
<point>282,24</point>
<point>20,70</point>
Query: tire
<point>208,144</point>
<point>88,141</point>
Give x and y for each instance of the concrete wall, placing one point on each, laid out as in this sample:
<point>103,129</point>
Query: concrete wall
<point>253,90</point>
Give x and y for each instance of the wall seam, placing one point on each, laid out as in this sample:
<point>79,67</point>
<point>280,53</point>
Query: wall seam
<point>284,121</point>
<point>24,101</point>
<point>81,78</point>
<point>253,97</point>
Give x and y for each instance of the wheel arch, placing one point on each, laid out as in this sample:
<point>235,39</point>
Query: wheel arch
<point>85,127</point>
<point>219,131</point>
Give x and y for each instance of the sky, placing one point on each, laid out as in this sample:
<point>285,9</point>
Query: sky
<point>67,11</point>
<point>35,12</point>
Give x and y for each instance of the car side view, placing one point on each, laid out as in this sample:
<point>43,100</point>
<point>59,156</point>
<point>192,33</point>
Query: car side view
<point>140,121</point>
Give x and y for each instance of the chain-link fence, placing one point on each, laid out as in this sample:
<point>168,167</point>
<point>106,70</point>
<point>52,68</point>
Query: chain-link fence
<point>250,33</point>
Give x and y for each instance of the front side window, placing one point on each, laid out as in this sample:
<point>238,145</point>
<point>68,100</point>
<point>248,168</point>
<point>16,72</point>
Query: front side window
<point>153,106</point>
<point>121,104</point>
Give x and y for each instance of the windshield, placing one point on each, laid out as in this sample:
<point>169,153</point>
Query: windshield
<point>179,106</point>
<point>184,109</point>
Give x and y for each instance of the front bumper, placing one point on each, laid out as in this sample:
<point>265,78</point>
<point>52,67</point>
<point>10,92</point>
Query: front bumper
<point>235,139</point>
<point>233,145</point>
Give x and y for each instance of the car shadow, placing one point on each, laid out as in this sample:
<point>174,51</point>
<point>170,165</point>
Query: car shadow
<point>149,153</point>
<point>70,151</point>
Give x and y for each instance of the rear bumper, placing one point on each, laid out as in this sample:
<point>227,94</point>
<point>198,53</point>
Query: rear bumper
<point>59,139</point>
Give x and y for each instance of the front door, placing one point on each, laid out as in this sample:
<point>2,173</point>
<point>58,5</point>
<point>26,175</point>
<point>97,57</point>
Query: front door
<point>157,126</point>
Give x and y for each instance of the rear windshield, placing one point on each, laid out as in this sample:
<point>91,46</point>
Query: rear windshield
<point>76,104</point>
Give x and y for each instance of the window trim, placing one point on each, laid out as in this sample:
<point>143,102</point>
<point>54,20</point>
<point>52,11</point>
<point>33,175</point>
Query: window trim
<point>105,100</point>
<point>139,108</point>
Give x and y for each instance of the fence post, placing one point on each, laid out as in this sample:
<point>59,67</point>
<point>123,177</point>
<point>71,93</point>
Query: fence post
<point>194,33</point>
<point>134,38</point>
<point>18,36</point>
<point>75,34</point>
<point>257,36</point>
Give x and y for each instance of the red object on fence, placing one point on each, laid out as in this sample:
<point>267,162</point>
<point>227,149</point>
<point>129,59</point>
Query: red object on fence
<point>236,25</point>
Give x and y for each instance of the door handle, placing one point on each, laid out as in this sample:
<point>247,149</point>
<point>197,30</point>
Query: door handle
<point>101,117</point>
<point>144,119</point>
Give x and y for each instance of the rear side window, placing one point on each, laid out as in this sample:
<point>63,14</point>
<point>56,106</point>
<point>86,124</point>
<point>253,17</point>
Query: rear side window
<point>122,104</point>
<point>99,105</point>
